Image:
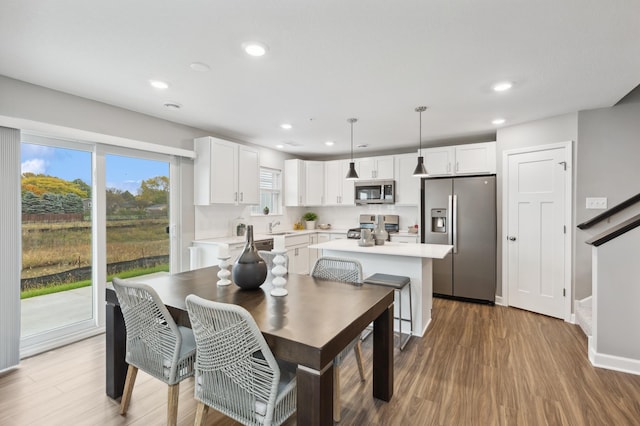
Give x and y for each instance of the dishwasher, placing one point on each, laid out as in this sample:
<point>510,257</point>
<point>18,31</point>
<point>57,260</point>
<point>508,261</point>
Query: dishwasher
<point>264,244</point>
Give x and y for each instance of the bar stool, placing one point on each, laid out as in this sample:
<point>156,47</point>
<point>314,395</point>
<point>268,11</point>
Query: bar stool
<point>398,283</point>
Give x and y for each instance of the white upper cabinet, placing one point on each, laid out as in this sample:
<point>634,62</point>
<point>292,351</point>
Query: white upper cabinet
<point>407,185</point>
<point>225,172</point>
<point>304,183</point>
<point>476,158</point>
<point>375,167</point>
<point>338,191</point>
<point>439,161</point>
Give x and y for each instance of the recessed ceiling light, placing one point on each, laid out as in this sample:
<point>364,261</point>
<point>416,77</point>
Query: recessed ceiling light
<point>200,67</point>
<point>286,126</point>
<point>254,48</point>
<point>159,84</point>
<point>279,146</point>
<point>498,121</point>
<point>502,86</point>
<point>363,145</point>
<point>329,143</point>
<point>172,105</point>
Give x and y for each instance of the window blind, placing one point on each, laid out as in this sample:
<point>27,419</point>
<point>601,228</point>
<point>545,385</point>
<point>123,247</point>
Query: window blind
<point>10,247</point>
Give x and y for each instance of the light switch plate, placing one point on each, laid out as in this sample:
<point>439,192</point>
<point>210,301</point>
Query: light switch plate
<point>597,203</point>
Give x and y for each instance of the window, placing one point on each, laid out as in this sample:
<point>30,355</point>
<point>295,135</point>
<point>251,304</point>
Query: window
<point>270,192</point>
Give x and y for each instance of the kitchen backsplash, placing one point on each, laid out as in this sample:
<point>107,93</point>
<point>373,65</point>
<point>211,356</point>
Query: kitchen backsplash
<point>216,221</point>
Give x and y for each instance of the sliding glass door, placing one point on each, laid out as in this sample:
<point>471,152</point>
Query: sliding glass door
<point>89,212</point>
<point>137,203</point>
<point>57,296</point>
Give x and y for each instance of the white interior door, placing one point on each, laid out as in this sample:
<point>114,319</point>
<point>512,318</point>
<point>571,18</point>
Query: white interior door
<point>537,188</point>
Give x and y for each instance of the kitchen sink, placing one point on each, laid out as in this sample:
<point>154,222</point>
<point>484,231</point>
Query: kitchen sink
<point>282,233</point>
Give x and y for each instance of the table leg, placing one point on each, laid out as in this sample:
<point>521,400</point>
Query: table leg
<point>383,355</point>
<point>116,340</point>
<point>315,396</point>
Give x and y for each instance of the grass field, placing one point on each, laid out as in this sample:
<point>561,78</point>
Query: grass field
<point>48,248</point>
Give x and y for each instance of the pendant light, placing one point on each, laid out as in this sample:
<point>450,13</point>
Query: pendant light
<point>352,174</point>
<point>420,171</point>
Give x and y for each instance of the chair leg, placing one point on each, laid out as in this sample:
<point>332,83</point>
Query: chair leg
<point>336,393</point>
<point>358,350</point>
<point>128,389</point>
<point>172,404</point>
<point>201,413</point>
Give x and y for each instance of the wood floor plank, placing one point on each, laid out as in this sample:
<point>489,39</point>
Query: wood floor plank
<point>476,364</point>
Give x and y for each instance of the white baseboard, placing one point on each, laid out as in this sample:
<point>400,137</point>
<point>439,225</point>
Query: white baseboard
<point>31,350</point>
<point>499,301</point>
<point>612,362</point>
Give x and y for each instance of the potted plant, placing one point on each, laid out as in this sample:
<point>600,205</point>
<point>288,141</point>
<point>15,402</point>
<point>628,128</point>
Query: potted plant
<point>310,219</point>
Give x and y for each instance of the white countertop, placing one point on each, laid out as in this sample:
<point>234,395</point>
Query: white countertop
<point>435,251</point>
<point>265,236</point>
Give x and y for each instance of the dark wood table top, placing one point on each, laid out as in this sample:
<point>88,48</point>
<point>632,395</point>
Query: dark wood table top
<point>309,326</point>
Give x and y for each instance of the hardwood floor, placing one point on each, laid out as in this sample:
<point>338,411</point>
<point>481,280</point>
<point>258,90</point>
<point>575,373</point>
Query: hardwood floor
<point>477,365</point>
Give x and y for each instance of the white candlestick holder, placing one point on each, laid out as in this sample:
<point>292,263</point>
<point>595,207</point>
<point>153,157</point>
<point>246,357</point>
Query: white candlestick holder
<point>279,271</point>
<point>224,273</point>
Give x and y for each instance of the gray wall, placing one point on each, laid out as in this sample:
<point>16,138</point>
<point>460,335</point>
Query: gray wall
<point>542,132</point>
<point>608,166</point>
<point>35,103</point>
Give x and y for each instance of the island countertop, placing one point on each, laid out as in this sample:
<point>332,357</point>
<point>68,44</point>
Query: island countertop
<point>434,251</point>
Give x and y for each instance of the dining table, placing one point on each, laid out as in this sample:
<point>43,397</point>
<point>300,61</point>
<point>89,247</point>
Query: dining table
<point>309,326</point>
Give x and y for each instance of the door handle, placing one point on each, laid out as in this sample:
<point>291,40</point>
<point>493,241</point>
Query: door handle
<point>455,224</point>
<point>511,238</point>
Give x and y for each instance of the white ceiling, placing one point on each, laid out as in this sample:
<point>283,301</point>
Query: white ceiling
<point>330,60</point>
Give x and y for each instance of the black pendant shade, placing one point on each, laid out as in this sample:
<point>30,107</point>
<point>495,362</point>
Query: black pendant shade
<point>420,170</point>
<point>352,174</point>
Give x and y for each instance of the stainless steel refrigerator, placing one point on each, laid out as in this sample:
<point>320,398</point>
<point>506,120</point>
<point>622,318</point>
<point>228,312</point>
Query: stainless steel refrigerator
<point>461,211</point>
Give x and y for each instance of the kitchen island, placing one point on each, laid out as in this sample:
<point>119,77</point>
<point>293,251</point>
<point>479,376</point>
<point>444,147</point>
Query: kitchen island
<point>411,260</point>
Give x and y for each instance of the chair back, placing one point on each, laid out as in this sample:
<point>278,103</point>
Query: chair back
<point>338,269</point>
<point>153,338</point>
<point>236,372</point>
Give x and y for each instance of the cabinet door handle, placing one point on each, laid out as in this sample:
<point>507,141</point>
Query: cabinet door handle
<point>235,196</point>
<point>457,166</point>
<point>241,196</point>
<point>448,167</point>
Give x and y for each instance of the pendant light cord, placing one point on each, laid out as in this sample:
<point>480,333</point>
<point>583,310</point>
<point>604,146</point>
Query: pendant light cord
<point>420,109</point>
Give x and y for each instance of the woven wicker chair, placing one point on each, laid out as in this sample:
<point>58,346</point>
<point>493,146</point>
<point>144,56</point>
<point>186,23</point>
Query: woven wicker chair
<point>236,373</point>
<point>347,271</point>
<point>155,344</point>
<point>268,257</point>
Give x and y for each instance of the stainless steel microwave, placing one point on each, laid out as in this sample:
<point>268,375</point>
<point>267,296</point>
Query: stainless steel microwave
<point>375,191</point>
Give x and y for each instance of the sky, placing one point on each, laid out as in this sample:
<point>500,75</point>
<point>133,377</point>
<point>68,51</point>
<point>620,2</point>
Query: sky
<point>124,173</point>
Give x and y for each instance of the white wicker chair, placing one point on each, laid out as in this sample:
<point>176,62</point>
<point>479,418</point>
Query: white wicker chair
<point>268,257</point>
<point>347,271</point>
<point>155,344</point>
<point>236,373</point>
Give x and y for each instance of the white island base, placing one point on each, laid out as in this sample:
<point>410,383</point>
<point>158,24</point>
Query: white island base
<point>410,260</point>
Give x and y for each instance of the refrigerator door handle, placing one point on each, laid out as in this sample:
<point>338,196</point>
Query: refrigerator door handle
<point>454,224</point>
<point>449,222</point>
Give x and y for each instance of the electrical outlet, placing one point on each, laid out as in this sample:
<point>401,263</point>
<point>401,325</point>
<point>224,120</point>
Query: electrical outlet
<point>597,203</point>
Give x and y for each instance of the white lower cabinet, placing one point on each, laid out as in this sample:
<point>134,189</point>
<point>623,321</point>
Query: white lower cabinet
<point>203,255</point>
<point>298,252</point>
<point>404,238</point>
<point>314,254</point>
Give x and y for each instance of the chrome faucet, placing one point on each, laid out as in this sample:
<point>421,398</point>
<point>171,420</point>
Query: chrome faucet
<point>273,224</point>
